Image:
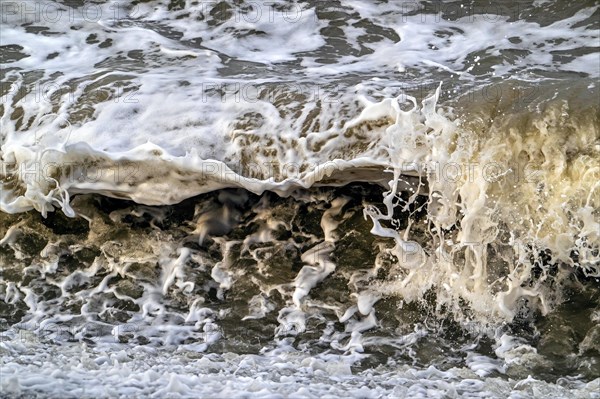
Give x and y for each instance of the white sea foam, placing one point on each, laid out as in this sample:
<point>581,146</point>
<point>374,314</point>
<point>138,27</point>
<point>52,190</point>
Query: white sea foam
<point>159,102</point>
<point>108,372</point>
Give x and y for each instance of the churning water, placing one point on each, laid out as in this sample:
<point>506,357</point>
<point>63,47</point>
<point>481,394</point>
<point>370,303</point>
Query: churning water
<point>300,199</point>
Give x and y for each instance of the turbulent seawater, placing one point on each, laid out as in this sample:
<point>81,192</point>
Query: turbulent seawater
<point>311,199</point>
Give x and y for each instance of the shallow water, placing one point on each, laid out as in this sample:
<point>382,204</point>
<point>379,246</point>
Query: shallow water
<point>300,199</point>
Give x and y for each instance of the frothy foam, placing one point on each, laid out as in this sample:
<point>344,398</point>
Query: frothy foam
<point>482,213</point>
